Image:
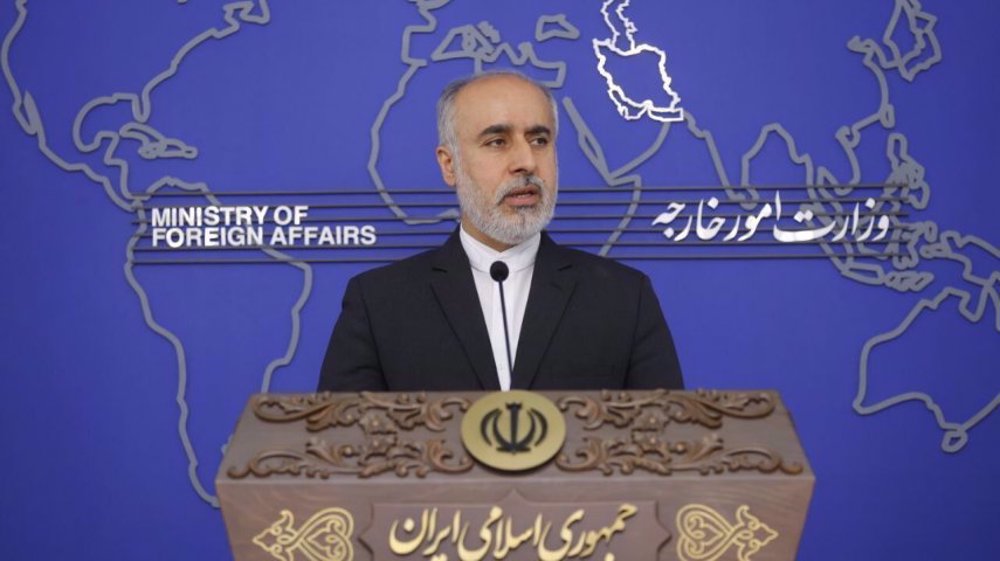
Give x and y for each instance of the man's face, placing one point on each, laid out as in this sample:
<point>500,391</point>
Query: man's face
<point>505,169</point>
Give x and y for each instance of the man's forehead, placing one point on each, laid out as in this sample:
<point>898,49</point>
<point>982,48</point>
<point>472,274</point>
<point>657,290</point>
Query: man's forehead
<point>509,101</point>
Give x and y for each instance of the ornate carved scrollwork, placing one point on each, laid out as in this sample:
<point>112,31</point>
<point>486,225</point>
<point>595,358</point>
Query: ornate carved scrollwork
<point>379,454</point>
<point>647,414</point>
<point>706,408</point>
<point>638,445</point>
<point>381,419</point>
<point>324,410</point>
<point>646,451</point>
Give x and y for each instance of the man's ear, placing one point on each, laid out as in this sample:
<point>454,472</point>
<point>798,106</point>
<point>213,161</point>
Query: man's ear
<point>447,164</point>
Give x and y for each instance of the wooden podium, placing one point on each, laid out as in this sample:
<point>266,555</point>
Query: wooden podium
<point>613,475</point>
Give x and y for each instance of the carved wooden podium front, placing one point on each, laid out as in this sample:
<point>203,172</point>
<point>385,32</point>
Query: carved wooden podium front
<point>628,476</point>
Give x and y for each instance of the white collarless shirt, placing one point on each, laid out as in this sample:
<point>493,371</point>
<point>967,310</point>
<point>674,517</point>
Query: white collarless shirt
<point>520,260</point>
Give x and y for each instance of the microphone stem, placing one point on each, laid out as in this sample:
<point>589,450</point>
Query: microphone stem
<point>506,332</point>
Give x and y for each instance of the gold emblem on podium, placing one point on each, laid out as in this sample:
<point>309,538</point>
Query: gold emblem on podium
<point>513,430</point>
<point>325,536</point>
<point>705,535</point>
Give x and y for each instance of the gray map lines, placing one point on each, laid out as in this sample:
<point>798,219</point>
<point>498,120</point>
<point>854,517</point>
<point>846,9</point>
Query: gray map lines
<point>482,44</point>
<point>154,145</point>
<point>555,27</point>
<point>921,25</point>
<point>956,434</point>
<point>918,240</point>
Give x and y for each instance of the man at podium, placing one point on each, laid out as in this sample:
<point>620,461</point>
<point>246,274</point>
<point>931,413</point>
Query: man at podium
<point>500,305</point>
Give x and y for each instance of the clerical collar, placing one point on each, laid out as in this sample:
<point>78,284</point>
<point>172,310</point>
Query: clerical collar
<point>481,256</point>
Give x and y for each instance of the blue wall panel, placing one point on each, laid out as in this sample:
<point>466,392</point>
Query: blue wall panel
<point>123,378</point>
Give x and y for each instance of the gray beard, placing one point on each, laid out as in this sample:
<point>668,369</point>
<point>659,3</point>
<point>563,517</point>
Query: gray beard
<point>488,216</point>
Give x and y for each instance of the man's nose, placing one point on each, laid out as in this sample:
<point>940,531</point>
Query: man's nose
<point>522,158</point>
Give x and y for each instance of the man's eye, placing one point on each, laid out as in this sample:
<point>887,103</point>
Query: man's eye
<point>540,141</point>
<point>496,142</point>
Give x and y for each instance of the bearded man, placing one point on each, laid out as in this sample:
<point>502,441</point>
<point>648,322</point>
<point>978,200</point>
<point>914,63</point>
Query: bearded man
<point>436,322</point>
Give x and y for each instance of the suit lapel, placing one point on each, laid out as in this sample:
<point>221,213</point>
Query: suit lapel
<point>552,285</point>
<point>455,291</point>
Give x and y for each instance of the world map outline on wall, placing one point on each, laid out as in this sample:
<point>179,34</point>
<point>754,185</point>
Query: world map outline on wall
<point>899,266</point>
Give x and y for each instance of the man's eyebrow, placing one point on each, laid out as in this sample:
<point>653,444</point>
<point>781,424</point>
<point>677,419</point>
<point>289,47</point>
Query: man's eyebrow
<point>495,129</point>
<point>502,128</point>
<point>540,129</point>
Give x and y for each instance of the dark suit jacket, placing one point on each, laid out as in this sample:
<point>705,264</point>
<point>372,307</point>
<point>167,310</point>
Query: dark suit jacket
<point>590,323</point>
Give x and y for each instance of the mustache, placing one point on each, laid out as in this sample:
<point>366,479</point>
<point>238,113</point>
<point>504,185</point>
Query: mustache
<point>520,183</point>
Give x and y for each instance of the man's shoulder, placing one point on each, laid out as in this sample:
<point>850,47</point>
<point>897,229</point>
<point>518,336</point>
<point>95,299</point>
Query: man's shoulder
<point>596,265</point>
<point>402,271</point>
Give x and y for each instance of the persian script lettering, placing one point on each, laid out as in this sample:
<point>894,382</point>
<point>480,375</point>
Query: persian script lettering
<point>855,226</point>
<point>499,534</point>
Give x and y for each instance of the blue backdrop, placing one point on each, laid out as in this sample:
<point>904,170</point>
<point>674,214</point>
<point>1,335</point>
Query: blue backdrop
<point>124,378</point>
